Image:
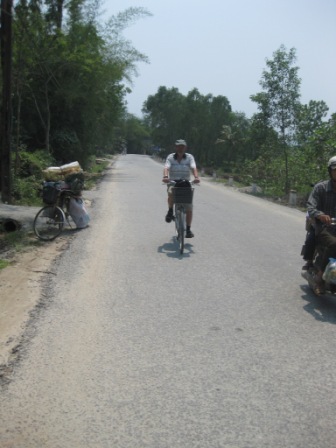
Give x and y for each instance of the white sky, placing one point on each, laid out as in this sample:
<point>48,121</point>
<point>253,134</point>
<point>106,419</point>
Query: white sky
<point>220,47</point>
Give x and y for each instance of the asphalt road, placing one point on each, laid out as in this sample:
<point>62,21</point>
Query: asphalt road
<point>135,346</point>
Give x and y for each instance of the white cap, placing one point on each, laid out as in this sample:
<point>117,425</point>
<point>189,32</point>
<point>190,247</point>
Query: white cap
<point>180,142</point>
<point>332,163</point>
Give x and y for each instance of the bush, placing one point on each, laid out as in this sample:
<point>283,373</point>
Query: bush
<point>28,177</point>
<point>32,163</point>
<point>26,190</point>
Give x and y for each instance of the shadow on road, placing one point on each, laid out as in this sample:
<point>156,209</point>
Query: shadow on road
<point>172,249</point>
<point>321,308</point>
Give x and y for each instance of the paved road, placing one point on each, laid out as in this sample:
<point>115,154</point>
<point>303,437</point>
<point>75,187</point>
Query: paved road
<point>136,346</point>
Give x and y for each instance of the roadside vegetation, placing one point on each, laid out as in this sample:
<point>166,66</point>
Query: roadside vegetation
<point>283,147</point>
<point>71,73</point>
<point>26,192</point>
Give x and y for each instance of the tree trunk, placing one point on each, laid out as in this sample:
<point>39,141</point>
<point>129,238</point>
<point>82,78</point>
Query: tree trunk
<point>47,129</point>
<point>6,110</point>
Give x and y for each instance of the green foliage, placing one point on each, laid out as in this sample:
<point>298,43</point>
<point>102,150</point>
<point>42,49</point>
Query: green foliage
<point>279,99</point>
<point>28,176</point>
<point>278,103</point>
<point>136,135</point>
<point>25,190</point>
<point>308,119</point>
<point>195,117</point>
<point>32,163</point>
<point>69,73</point>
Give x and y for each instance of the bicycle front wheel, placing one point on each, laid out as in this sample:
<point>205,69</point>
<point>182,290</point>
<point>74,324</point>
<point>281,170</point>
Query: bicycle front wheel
<point>49,222</point>
<point>180,227</point>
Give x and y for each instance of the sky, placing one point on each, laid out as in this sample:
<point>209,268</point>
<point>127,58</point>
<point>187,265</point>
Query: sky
<point>220,47</point>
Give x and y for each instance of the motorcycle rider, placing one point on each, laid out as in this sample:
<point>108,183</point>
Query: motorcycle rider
<point>322,208</point>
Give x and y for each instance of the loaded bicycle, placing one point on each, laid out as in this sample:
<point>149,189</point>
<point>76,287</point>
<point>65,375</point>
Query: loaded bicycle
<point>50,220</point>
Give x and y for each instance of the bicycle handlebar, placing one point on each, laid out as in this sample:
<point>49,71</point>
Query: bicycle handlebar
<point>173,182</point>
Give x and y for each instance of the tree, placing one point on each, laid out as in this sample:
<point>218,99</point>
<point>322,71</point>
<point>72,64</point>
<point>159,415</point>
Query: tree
<point>70,72</point>
<point>233,138</point>
<point>6,103</point>
<point>195,117</point>
<point>136,135</point>
<point>309,117</point>
<point>164,115</point>
<point>279,101</point>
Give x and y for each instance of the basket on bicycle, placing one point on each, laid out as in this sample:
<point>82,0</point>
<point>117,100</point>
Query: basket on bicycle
<point>182,195</point>
<point>50,192</point>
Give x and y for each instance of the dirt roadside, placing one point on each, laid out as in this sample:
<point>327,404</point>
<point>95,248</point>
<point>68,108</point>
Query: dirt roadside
<point>20,292</point>
<point>21,286</point>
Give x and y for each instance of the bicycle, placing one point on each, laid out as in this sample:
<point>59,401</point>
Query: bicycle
<point>49,221</point>
<point>182,196</point>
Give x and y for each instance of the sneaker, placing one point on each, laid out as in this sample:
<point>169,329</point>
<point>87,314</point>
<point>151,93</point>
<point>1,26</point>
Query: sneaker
<point>169,216</point>
<point>189,234</point>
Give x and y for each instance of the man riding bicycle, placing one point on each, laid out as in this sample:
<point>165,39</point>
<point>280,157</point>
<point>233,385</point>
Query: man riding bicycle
<point>178,166</point>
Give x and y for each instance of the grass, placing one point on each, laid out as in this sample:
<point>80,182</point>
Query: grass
<point>16,241</point>
<point>4,263</point>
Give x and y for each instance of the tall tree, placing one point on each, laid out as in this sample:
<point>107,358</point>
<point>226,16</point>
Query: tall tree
<point>279,100</point>
<point>70,72</point>
<point>309,117</point>
<point>164,114</point>
<point>6,103</point>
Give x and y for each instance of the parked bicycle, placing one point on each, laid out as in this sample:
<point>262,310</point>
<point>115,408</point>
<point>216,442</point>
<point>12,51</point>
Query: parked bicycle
<point>182,196</point>
<point>50,220</point>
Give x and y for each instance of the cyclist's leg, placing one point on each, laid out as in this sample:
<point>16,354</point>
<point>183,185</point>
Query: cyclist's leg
<point>189,215</point>
<point>170,199</point>
<point>170,213</point>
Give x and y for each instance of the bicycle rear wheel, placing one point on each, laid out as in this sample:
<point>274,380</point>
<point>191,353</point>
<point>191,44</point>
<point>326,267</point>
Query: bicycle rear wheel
<point>49,222</point>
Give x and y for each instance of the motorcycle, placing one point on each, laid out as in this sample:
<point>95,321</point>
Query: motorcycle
<point>309,272</point>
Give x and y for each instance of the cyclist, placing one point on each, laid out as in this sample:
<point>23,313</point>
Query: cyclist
<point>179,165</point>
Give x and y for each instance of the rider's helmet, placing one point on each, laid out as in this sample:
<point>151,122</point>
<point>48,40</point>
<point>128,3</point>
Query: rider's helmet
<point>180,142</point>
<point>332,163</point>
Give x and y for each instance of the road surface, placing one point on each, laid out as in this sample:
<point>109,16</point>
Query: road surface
<point>136,346</point>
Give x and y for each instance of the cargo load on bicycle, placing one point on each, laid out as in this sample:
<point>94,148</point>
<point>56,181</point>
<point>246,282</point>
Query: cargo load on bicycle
<point>65,177</point>
<point>55,173</point>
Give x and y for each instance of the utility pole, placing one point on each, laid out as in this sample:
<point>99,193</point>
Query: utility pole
<point>6,109</point>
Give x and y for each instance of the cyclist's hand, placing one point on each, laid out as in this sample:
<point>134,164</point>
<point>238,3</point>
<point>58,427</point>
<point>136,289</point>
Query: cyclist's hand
<point>196,180</point>
<point>325,219</point>
<point>166,180</point>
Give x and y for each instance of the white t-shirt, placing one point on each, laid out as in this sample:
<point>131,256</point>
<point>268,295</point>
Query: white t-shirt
<point>182,169</point>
